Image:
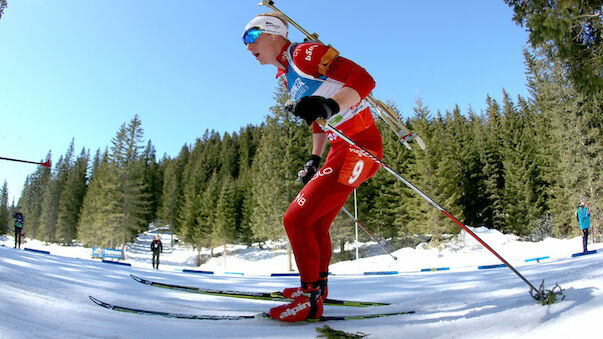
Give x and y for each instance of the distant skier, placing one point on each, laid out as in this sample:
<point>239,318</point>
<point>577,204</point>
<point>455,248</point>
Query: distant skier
<point>19,222</point>
<point>156,248</point>
<point>333,88</point>
<point>583,217</point>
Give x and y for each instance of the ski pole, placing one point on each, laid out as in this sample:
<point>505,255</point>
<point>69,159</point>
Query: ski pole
<point>325,125</point>
<point>367,232</point>
<point>45,164</point>
<point>396,124</point>
<point>390,117</point>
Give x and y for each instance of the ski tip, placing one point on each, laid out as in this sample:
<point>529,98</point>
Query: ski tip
<point>139,279</point>
<point>263,315</point>
<point>96,301</point>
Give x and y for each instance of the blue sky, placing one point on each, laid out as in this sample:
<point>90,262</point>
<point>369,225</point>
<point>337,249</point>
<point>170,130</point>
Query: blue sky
<point>73,69</point>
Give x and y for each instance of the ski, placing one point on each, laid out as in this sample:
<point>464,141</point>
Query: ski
<point>234,317</point>
<point>583,253</point>
<point>273,296</point>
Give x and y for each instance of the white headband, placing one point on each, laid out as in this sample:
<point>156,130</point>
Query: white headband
<point>268,24</point>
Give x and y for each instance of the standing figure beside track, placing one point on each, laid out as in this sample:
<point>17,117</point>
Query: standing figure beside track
<point>583,217</point>
<point>156,248</point>
<point>19,222</point>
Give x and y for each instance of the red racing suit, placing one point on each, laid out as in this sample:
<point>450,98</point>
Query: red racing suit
<point>309,216</point>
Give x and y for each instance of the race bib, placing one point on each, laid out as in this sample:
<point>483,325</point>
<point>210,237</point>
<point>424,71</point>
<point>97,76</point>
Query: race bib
<point>357,167</point>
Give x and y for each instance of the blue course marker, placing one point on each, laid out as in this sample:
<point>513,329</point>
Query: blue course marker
<point>485,267</point>
<point>36,251</point>
<point>435,269</point>
<point>195,271</point>
<point>538,259</point>
<point>116,262</point>
<point>381,273</point>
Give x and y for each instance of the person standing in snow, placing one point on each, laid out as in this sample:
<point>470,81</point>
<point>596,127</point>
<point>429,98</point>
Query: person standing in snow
<point>331,87</point>
<point>583,217</point>
<point>156,248</point>
<point>19,222</point>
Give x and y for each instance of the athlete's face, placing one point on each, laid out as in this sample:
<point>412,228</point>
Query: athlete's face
<point>264,49</point>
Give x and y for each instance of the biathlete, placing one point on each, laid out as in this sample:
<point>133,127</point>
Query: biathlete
<point>330,87</point>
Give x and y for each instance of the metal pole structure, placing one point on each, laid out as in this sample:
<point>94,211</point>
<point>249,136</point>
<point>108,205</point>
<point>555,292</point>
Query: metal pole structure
<point>367,232</point>
<point>356,222</point>
<point>45,164</point>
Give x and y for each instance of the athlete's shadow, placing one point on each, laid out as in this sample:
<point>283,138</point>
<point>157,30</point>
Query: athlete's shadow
<point>573,298</point>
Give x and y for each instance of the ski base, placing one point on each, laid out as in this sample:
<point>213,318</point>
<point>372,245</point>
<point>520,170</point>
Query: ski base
<point>234,317</point>
<point>583,253</point>
<point>273,296</point>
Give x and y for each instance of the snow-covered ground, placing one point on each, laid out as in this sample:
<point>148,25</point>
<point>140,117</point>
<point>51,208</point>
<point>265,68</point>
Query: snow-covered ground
<point>46,296</point>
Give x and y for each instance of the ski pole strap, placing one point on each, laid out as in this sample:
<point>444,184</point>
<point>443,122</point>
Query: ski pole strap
<point>327,59</point>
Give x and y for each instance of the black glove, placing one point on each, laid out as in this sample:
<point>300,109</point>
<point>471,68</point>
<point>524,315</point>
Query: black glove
<point>313,107</point>
<point>311,167</point>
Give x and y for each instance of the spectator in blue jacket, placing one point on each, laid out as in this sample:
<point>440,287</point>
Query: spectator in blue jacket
<point>583,217</point>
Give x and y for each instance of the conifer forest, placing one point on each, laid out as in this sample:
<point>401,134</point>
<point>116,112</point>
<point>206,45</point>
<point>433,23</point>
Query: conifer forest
<point>519,166</point>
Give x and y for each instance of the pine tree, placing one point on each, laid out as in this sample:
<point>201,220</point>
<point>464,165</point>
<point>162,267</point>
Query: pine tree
<point>421,216</point>
<point>72,198</point>
<point>32,197</point>
<point>172,197</point>
<point>570,142</point>
<point>99,218</point>
<point>153,182</point>
<point>523,185</point>
<point>4,212</point>
<point>490,146</point>
<point>249,140</point>
<point>200,184</point>
<point>96,161</point>
<point>226,215</point>
<point>451,172</point>
<point>382,197</point>
<point>199,231</point>
<point>431,179</point>
<point>283,149</point>
<point>473,201</point>
<point>128,165</point>
<point>569,32</point>
<point>52,196</point>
